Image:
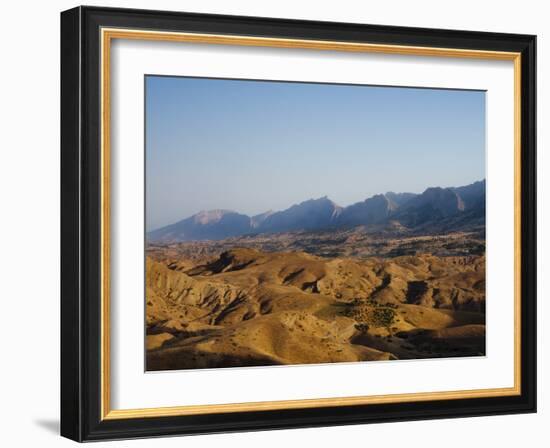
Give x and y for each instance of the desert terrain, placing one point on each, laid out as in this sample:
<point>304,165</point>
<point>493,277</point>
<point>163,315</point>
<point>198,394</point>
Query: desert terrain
<point>390,283</point>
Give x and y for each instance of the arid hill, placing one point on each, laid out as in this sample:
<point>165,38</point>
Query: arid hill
<point>248,307</point>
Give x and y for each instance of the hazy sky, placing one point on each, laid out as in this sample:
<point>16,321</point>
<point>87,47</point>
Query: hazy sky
<point>251,146</point>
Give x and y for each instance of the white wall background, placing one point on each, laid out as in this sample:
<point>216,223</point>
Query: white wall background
<point>29,224</point>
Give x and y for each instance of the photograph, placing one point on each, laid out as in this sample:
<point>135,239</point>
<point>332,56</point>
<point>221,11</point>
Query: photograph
<point>293,222</point>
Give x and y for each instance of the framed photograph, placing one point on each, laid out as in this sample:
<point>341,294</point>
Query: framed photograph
<point>273,223</point>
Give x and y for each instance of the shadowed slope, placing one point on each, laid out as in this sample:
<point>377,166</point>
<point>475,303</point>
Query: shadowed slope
<point>249,307</point>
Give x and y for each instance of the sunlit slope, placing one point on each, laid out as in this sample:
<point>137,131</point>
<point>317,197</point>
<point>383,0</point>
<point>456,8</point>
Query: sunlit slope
<point>248,307</point>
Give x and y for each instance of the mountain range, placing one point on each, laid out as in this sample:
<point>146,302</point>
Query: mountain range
<point>434,207</point>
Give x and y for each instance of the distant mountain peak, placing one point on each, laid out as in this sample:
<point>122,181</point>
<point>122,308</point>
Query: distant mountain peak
<point>399,198</point>
<point>373,210</point>
<point>307,215</point>
<point>394,210</point>
<point>444,199</point>
<point>209,216</point>
<point>320,200</point>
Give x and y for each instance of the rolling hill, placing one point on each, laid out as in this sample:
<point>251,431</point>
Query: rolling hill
<point>247,307</point>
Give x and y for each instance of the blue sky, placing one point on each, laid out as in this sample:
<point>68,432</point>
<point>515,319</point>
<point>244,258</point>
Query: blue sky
<point>251,146</point>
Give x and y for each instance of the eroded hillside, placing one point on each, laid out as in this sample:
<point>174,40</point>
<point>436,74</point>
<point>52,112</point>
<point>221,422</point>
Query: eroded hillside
<point>248,307</point>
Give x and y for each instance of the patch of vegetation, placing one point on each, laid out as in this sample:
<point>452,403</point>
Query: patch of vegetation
<point>383,317</point>
<point>368,314</point>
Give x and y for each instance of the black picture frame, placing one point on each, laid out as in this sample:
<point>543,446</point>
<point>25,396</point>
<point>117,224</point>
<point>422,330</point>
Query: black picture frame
<point>81,224</point>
